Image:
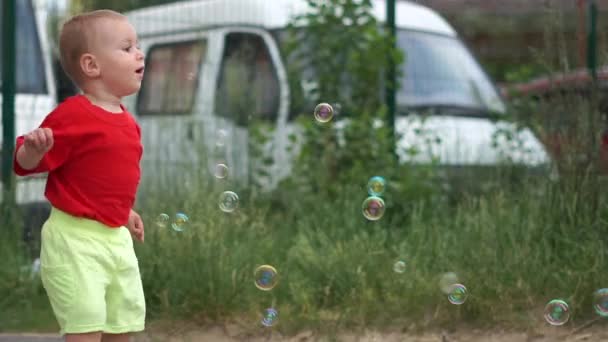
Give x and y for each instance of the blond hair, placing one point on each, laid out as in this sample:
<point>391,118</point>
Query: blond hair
<point>75,39</point>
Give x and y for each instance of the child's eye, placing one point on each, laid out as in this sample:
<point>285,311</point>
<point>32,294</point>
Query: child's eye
<point>127,49</point>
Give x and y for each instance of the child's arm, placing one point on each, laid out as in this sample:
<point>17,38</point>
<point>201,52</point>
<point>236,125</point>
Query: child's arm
<point>48,147</point>
<point>35,145</point>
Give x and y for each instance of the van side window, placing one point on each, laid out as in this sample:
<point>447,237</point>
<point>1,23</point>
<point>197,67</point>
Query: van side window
<point>301,75</point>
<point>248,85</point>
<point>171,78</point>
<point>30,75</point>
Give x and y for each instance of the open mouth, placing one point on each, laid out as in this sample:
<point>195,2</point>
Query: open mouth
<point>140,71</point>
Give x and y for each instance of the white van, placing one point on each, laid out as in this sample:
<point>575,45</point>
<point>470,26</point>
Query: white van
<point>35,98</point>
<point>194,48</point>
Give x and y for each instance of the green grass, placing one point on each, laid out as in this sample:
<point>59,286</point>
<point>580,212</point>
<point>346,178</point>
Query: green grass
<point>514,250</point>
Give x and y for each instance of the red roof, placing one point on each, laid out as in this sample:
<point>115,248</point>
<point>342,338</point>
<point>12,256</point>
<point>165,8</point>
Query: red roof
<point>574,79</point>
<point>504,6</point>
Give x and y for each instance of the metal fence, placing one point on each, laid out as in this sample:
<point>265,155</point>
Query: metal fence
<point>213,67</point>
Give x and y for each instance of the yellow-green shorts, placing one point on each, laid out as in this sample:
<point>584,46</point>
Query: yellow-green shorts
<point>91,276</point>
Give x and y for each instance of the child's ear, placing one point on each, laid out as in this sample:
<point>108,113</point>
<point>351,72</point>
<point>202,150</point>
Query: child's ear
<point>89,65</point>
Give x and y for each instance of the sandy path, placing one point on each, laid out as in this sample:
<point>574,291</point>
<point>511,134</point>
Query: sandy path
<point>231,333</point>
<point>189,332</point>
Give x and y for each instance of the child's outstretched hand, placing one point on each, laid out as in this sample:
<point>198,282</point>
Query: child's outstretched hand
<point>39,141</point>
<point>35,145</point>
<point>136,226</point>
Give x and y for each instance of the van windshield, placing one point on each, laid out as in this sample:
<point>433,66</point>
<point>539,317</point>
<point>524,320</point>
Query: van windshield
<point>30,67</point>
<point>439,71</point>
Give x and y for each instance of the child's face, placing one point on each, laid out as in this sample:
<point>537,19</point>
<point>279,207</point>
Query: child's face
<point>120,61</point>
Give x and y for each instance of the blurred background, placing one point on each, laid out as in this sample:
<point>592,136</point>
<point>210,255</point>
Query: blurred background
<point>334,169</point>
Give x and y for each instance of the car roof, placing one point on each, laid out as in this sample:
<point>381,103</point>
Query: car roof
<point>191,15</point>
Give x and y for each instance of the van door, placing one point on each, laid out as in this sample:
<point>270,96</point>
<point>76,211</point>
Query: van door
<point>251,94</point>
<point>172,105</point>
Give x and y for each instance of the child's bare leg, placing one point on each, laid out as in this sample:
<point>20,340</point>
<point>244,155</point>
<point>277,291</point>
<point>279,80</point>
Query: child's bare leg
<point>88,337</point>
<point>116,337</point>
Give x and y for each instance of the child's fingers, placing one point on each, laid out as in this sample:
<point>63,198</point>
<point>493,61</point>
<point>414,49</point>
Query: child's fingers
<point>139,235</point>
<point>48,134</point>
<point>34,141</point>
<point>40,138</point>
<point>139,223</point>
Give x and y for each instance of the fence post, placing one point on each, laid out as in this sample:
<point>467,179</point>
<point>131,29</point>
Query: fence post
<point>391,75</point>
<point>8,100</point>
<point>592,40</point>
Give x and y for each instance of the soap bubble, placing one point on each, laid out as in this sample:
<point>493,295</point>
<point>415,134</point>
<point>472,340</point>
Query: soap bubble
<point>270,318</point>
<point>229,201</point>
<point>376,186</point>
<point>458,294</point>
<point>399,266</point>
<point>221,138</point>
<point>179,224</point>
<point>373,208</point>
<point>221,171</point>
<point>557,312</point>
<point>600,302</point>
<point>266,277</point>
<point>162,220</point>
<point>446,281</point>
<point>324,112</point>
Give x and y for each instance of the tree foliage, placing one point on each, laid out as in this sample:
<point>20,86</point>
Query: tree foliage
<point>341,52</point>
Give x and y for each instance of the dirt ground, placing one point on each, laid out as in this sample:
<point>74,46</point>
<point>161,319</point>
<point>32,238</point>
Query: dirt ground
<point>595,332</point>
<point>228,334</point>
<point>592,331</point>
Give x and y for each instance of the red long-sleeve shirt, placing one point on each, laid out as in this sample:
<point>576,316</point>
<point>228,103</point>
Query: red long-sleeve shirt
<point>93,166</point>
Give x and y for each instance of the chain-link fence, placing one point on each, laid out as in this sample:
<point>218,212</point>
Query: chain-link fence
<point>217,69</point>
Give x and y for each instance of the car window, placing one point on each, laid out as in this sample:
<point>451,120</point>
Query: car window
<point>171,78</point>
<point>248,85</point>
<point>30,75</point>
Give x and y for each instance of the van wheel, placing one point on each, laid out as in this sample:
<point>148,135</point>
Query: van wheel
<point>34,216</point>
